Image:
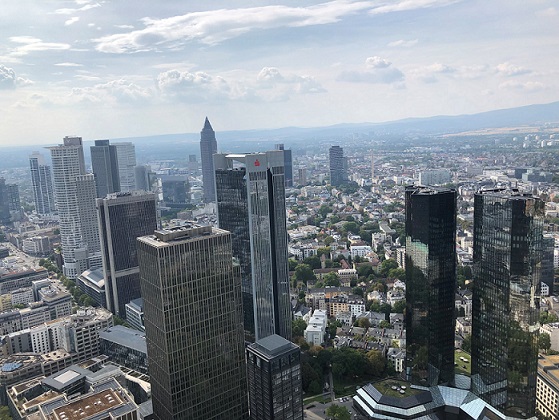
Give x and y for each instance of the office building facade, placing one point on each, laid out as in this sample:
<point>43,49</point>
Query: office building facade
<point>508,243</point>
<point>250,193</point>
<point>73,191</point>
<point>4,203</point>
<point>41,180</point>
<point>274,379</point>
<point>208,147</point>
<point>338,166</point>
<point>287,164</point>
<point>430,285</point>
<point>126,162</point>
<point>122,218</point>
<point>193,320</point>
<point>104,162</point>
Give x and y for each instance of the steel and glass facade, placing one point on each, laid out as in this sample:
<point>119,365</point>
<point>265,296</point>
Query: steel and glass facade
<point>208,147</point>
<point>250,193</point>
<point>41,180</point>
<point>104,162</point>
<point>508,243</point>
<point>123,217</point>
<point>337,166</point>
<point>430,284</point>
<point>193,320</point>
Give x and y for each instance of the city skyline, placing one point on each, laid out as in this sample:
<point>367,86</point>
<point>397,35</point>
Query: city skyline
<point>108,70</point>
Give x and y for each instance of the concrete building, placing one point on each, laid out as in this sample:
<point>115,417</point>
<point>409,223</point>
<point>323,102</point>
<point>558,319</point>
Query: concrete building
<point>92,283</point>
<point>135,314</point>
<point>274,379</point>
<point>547,386</point>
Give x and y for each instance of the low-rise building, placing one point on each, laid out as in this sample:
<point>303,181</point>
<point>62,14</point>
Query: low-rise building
<point>547,386</point>
<point>125,346</point>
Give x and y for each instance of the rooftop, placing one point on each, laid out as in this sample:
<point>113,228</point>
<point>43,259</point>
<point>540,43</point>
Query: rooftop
<point>126,337</point>
<point>273,345</point>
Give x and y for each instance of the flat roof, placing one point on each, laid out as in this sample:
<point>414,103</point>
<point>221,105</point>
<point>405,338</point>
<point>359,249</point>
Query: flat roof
<point>273,345</point>
<point>90,405</point>
<point>126,337</point>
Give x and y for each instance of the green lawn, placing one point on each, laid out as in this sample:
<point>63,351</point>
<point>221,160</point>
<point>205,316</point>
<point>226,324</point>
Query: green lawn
<point>386,388</point>
<point>461,367</point>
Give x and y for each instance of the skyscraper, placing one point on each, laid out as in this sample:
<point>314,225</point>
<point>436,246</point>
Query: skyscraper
<point>250,193</point>
<point>430,285</point>
<point>193,320</point>
<point>126,160</point>
<point>274,379</point>
<point>4,203</point>
<point>74,193</point>
<point>338,166</point>
<point>287,164</point>
<point>208,146</point>
<point>122,218</point>
<point>105,167</point>
<point>41,180</point>
<point>508,242</point>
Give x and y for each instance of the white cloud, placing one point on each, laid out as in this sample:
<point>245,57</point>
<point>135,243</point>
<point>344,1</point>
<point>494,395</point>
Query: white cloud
<point>377,63</point>
<point>402,43</point>
<point>432,72</point>
<point>508,69</point>
<point>71,21</point>
<point>31,44</point>
<point>271,78</point>
<point>68,65</point>
<point>113,91</point>
<point>9,79</point>
<point>69,11</point>
<point>213,27</point>
<point>547,13</point>
<point>527,86</point>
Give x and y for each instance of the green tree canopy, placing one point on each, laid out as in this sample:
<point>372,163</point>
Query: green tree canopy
<point>331,279</point>
<point>304,273</point>
<point>338,412</point>
<point>298,327</point>
<point>544,342</point>
<point>313,261</point>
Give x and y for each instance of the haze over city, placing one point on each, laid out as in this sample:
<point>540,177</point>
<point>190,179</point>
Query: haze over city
<point>120,69</point>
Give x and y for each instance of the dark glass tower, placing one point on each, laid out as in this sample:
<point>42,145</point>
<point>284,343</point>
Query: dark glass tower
<point>104,162</point>
<point>208,147</point>
<point>274,379</point>
<point>508,243</point>
<point>4,203</point>
<point>337,166</point>
<point>287,164</point>
<point>250,190</point>
<point>193,318</point>
<point>41,179</point>
<point>123,217</point>
<point>430,285</point>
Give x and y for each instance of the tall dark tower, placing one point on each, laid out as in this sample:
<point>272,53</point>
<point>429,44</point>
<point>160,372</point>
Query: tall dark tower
<point>104,162</point>
<point>287,164</point>
<point>251,205</point>
<point>338,166</point>
<point>508,242</point>
<point>208,147</point>
<point>41,179</point>
<point>430,285</point>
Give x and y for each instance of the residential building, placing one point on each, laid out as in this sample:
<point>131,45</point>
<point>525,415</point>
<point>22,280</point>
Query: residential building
<point>193,318</point>
<point>250,194</point>
<point>124,217</point>
<point>208,147</point>
<point>316,327</point>
<point>508,241</point>
<point>430,284</point>
<point>105,168</point>
<point>338,173</point>
<point>274,379</point>
<point>41,180</point>
<point>72,188</point>
<point>126,162</point>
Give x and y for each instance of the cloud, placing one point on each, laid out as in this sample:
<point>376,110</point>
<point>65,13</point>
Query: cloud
<point>379,70</point>
<point>270,78</point>
<point>68,65</point>
<point>215,26</point>
<point>431,73</point>
<point>546,13</point>
<point>113,91</point>
<point>508,69</point>
<point>527,86</point>
<point>9,79</point>
<point>71,21</point>
<point>402,43</point>
<point>31,44</point>
<point>69,11</point>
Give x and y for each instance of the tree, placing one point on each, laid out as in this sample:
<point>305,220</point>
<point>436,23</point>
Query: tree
<point>304,273</point>
<point>331,279</point>
<point>548,318</point>
<point>350,227</point>
<point>298,327</point>
<point>313,261</point>
<point>467,343</point>
<point>384,324</point>
<point>397,273</point>
<point>364,322</point>
<point>357,291</point>
<point>377,361</point>
<point>338,412</point>
<point>5,413</point>
<point>292,264</point>
<point>328,240</point>
<point>544,342</point>
<point>387,265</point>
<point>399,306</point>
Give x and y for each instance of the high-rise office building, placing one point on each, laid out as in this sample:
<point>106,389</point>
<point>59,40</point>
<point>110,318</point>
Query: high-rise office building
<point>14,203</point>
<point>274,379</point>
<point>508,242</point>
<point>122,218</point>
<point>176,190</point>
<point>430,285</point>
<point>338,166</point>
<point>302,176</point>
<point>144,177</point>
<point>4,203</point>
<point>208,147</point>
<point>126,161</point>
<point>74,193</point>
<point>104,163</point>
<point>287,164</point>
<point>41,180</point>
<point>193,322</point>
<point>250,194</point>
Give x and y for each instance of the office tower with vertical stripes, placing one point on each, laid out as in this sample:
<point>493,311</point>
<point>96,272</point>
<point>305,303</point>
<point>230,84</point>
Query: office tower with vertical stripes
<point>104,163</point>
<point>41,180</point>
<point>126,160</point>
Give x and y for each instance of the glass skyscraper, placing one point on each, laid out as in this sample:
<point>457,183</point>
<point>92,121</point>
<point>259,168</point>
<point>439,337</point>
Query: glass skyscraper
<point>41,180</point>
<point>338,166</point>
<point>430,284</point>
<point>250,193</point>
<point>508,243</point>
<point>193,320</point>
<point>104,162</point>
<point>123,217</point>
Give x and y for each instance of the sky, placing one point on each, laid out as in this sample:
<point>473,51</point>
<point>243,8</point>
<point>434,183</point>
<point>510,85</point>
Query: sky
<point>123,68</point>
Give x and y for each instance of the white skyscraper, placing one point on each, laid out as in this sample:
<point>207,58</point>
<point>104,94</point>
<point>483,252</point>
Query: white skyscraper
<point>126,158</point>
<point>41,179</point>
<point>75,199</point>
